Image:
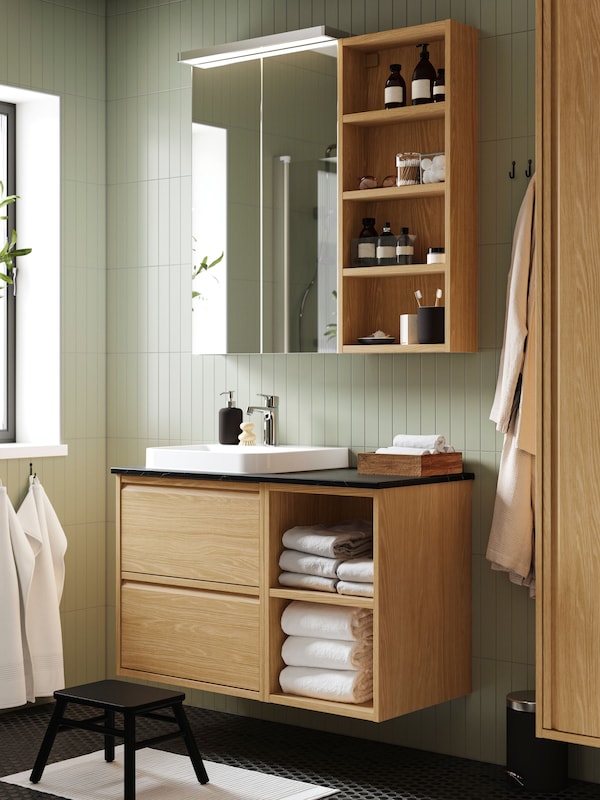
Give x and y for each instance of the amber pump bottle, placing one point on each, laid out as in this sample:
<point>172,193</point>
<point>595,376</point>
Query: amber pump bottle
<point>394,93</point>
<point>423,77</point>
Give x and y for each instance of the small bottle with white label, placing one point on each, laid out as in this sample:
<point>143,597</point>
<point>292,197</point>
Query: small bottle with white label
<point>386,247</point>
<point>439,86</point>
<point>394,93</point>
<point>405,248</point>
<point>423,78</point>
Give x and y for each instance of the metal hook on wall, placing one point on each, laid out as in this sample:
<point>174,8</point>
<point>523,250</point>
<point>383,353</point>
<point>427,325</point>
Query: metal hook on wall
<point>528,172</point>
<point>511,174</point>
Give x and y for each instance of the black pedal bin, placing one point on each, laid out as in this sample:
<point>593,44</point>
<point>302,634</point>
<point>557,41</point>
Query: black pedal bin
<point>537,765</point>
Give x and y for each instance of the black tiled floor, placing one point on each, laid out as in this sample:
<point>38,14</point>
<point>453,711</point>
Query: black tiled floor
<point>359,769</point>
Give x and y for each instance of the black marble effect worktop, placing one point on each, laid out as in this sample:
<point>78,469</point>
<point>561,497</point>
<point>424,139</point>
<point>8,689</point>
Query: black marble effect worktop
<point>323,477</point>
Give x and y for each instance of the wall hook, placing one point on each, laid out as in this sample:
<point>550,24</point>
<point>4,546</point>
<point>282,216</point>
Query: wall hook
<point>528,170</point>
<point>511,174</point>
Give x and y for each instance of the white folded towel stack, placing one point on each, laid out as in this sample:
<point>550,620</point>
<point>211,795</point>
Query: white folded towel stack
<point>301,618</point>
<point>342,686</point>
<point>313,553</point>
<point>356,577</point>
<point>328,652</point>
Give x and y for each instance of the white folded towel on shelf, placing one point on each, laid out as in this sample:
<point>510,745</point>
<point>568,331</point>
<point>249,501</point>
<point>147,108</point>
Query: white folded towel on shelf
<point>356,569</point>
<point>307,651</point>
<point>355,588</point>
<point>308,563</point>
<point>300,581</point>
<point>302,618</point>
<point>428,441</point>
<point>343,686</point>
<point>343,540</point>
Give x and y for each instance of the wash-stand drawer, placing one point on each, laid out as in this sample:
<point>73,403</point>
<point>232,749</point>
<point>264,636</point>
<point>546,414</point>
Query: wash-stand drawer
<point>179,531</point>
<point>211,637</point>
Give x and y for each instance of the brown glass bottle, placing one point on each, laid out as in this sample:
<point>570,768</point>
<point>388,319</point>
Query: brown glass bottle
<point>423,78</point>
<point>394,93</point>
<point>439,86</point>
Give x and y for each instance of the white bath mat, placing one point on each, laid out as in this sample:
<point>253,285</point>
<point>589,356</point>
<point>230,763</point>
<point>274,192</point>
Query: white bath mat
<point>162,776</point>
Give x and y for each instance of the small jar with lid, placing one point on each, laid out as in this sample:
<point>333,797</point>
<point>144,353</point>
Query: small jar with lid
<point>436,255</point>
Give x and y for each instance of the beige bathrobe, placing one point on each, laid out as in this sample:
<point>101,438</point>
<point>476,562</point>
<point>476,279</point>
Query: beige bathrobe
<point>512,536</point>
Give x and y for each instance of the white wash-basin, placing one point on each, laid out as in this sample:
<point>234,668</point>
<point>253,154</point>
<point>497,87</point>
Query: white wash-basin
<point>242,460</point>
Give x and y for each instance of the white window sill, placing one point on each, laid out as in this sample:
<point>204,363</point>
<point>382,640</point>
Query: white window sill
<point>32,450</point>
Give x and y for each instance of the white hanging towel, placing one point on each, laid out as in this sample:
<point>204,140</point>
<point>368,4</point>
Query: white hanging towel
<point>16,571</point>
<point>44,669</point>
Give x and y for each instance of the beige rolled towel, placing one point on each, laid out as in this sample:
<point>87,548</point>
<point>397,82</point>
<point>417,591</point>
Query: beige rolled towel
<point>306,651</point>
<point>342,686</point>
<point>315,582</point>
<point>301,618</point>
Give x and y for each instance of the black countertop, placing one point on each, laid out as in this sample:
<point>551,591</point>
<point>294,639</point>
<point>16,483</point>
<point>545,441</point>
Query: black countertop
<point>322,477</point>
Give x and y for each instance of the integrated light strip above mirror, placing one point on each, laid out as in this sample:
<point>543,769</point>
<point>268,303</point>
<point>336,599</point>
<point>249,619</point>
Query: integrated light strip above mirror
<point>262,47</point>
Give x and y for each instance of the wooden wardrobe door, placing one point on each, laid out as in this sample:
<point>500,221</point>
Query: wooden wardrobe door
<point>568,501</point>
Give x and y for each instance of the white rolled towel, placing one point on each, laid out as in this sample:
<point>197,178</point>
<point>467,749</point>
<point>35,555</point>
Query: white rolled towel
<point>310,651</point>
<point>355,588</point>
<point>356,569</point>
<point>315,582</point>
<point>404,451</point>
<point>301,618</point>
<point>342,540</point>
<point>429,441</point>
<point>309,564</point>
<point>342,686</point>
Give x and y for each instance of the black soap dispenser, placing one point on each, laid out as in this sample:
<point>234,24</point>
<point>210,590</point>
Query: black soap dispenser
<point>230,419</point>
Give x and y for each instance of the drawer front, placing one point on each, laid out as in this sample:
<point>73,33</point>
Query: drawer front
<point>191,634</point>
<point>191,533</point>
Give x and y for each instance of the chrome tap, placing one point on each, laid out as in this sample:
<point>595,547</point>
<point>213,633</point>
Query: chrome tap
<point>269,417</point>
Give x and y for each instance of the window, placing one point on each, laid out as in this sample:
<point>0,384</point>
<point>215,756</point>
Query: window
<point>7,298</point>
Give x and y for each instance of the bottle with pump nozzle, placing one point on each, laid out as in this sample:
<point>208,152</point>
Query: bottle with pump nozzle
<point>386,247</point>
<point>230,419</point>
<point>423,77</point>
<point>394,93</point>
<point>439,86</point>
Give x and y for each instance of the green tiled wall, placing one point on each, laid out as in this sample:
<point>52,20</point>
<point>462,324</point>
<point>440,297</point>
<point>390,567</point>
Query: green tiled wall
<point>128,377</point>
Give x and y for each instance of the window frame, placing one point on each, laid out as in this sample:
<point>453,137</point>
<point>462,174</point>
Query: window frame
<point>8,434</point>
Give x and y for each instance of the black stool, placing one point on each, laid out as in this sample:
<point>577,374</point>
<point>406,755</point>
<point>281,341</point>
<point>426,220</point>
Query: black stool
<point>131,700</point>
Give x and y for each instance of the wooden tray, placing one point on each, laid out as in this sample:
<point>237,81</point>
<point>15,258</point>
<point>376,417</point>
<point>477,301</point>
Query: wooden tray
<point>413,466</point>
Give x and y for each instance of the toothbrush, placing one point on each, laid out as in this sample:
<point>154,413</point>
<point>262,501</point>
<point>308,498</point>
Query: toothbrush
<point>419,297</point>
<point>438,297</point>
